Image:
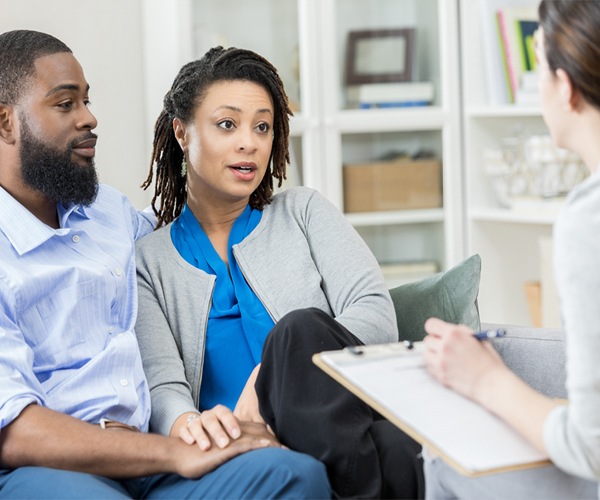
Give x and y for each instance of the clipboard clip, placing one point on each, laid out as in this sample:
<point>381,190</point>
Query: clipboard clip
<point>354,349</point>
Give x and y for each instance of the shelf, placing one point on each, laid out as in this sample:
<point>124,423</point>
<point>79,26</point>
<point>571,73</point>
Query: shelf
<point>503,215</point>
<point>389,119</point>
<point>510,110</point>
<point>396,217</point>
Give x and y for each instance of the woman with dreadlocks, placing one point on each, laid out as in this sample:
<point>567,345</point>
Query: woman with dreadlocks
<point>238,287</point>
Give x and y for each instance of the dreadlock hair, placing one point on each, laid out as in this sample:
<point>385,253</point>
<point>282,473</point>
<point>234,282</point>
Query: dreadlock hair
<point>186,94</point>
<point>19,50</point>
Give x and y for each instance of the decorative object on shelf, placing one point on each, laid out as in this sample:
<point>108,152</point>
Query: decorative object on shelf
<point>390,95</point>
<point>378,56</point>
<point>394,182</point>
<point>530,174</point>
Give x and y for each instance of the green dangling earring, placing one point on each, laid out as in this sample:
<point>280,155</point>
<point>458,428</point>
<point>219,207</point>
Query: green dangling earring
<point>183,168</point>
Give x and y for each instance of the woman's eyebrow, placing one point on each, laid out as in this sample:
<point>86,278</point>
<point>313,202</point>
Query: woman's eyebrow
<point>238,110</point>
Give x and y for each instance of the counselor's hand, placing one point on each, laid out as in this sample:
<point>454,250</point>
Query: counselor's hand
<point>191,462</point>
<point>246,408</point>
<point>458,360</point>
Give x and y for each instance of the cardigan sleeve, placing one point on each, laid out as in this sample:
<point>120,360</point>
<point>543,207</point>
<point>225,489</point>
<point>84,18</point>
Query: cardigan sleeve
<point>170,391</point>
<point>351,277</point>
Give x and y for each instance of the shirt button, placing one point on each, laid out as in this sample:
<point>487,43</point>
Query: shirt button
<point>120,334</point>
<point>118,271</point>
<point>75,238</point>
<point>124,383</point>
<point>111,329</point>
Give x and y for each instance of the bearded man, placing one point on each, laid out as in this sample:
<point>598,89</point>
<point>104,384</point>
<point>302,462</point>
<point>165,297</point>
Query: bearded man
<point>74,401</point>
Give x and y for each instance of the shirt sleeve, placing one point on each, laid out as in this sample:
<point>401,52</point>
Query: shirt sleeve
<point>352,278</point>
<point>572,432</point>
<point>19,386</point>
<point>144,222</point>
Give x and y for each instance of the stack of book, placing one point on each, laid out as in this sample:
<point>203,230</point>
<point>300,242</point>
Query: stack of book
<point>509,55</point>
<point>516,26</point>
<point>390,95</point>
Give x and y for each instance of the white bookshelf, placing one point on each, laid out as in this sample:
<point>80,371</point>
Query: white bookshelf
<point>508,241</point>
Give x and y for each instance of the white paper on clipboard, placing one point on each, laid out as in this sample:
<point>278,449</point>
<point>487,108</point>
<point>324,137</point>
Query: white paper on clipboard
<point>393,379</point>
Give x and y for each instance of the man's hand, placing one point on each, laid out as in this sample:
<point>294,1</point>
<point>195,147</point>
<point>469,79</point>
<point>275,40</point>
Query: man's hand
<point>193,462</point>
<point>41,437</point>
<point>247,406</point>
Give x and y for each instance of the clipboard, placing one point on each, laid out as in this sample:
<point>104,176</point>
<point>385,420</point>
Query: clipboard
<point>392,379</point>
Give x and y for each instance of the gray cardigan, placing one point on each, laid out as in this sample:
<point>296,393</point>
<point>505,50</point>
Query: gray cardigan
<point>303,253</point>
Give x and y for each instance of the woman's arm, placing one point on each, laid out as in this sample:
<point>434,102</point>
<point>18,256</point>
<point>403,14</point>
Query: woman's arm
<point>352,279</point>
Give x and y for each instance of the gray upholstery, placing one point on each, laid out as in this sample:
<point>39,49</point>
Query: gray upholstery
<point>536,355</point>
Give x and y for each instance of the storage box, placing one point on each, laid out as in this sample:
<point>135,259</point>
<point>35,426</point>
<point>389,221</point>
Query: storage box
<point>394,185</point>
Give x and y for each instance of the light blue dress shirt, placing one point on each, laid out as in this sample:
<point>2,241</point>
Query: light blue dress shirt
<point>68,305</point>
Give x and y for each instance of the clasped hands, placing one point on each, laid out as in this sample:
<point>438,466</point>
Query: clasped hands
<point>220,425</point>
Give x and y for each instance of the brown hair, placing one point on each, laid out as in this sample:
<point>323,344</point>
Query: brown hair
<point>186,94</point>
<point>572,40</point>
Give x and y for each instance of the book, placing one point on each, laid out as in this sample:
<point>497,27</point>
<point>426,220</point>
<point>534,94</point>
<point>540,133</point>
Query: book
<point>394,381</point>
<point>525,31</point>
<point>492,53</point>
<point>512,20</point>
<point>391,94</point>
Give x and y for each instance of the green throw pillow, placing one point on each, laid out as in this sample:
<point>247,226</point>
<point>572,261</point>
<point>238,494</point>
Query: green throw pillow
<point>450,295</point>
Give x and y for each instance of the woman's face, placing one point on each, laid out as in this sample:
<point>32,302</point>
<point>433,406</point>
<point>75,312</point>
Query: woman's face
<point>553,107</point>
<point>228,142</point>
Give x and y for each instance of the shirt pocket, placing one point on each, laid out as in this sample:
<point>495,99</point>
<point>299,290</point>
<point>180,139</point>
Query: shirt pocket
<point>61,321</point>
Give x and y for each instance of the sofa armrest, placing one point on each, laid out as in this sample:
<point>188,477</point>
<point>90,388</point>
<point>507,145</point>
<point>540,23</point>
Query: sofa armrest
<point>536,355</point>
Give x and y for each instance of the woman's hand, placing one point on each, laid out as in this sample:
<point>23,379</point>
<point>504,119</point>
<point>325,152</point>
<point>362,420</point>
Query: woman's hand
<point>460,361</point>
<point>218,424</point>
<point>246,408</point>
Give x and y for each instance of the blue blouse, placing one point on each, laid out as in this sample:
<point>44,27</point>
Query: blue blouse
<point>238,323</point>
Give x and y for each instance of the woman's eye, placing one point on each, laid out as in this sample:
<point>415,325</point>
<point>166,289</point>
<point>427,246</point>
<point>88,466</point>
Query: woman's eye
<point>226,124</point>
<point>65,105</point>
<point>263,127</point>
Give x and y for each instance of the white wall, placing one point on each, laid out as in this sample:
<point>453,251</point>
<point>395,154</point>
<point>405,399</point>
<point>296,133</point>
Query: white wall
<point>107,37</point>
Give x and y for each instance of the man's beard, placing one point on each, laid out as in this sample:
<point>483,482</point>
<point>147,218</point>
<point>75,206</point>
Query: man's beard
<point>51,171</point>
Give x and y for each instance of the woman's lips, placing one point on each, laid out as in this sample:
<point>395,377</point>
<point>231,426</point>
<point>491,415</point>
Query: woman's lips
<point>245,171</point>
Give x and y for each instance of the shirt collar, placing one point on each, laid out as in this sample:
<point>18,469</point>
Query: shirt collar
<point>23,229</point>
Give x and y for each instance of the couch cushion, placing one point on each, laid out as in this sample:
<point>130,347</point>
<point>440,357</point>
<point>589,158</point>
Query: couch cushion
<point>536,355</point>
<point>450,295</point>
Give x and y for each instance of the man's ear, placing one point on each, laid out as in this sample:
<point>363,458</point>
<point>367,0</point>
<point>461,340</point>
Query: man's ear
<point>569,94</point>
<point>7,125</point>
<point>180,133</point>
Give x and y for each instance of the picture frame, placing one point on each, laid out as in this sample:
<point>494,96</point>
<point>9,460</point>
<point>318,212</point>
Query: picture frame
<point>379,56</point>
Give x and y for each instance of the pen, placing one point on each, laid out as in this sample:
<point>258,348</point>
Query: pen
<point>489,334</point>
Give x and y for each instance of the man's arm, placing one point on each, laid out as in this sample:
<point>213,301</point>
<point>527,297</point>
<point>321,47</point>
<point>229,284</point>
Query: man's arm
<point>45,438</point>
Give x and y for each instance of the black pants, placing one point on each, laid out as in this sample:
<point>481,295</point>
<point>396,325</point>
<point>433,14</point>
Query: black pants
<point>366,456</point>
